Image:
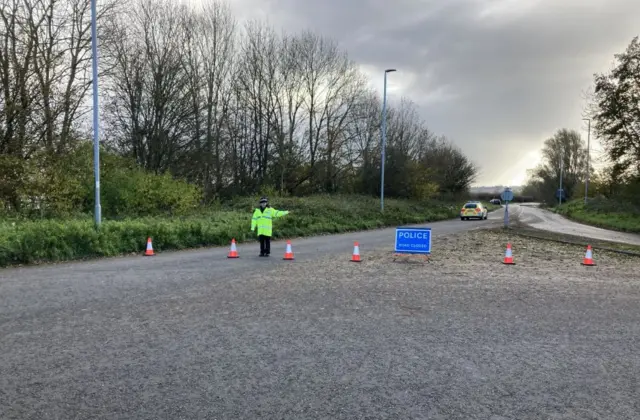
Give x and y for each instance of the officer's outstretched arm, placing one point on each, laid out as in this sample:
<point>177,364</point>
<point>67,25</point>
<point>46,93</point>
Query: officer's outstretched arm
<point>280,213</point>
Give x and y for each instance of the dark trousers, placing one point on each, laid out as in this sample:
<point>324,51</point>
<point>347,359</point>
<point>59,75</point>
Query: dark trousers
<point>265,244</point>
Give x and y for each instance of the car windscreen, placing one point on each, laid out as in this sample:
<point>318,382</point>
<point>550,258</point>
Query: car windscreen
<point>470,206</point>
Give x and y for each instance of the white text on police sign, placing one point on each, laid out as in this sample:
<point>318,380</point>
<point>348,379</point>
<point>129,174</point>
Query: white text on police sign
<point>414,235</point>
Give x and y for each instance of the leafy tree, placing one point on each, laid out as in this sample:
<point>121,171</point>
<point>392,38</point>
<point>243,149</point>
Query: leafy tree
<point>616,111</point>
<point>451,170</point>
<point>564,151</point>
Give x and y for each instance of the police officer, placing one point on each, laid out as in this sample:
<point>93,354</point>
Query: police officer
<point>262,218</point>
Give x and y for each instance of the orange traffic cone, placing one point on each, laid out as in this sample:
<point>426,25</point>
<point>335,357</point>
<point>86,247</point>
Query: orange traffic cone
<point>588,257</point>
<point>149,251</point>
<point>508,256</point>
<point>233,252</point>
<point>356,253</point>
<point>288,254</point>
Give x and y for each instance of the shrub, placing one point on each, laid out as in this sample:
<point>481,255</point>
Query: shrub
<point>60,187</point>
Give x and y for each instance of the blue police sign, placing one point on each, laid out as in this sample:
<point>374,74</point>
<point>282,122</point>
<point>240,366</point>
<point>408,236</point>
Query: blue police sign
<point>413,240</point>
<point>507,195</point>
<point>561,193</point>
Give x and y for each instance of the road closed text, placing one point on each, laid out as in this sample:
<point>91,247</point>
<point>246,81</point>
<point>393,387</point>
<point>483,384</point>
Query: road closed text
<point>415,246</point>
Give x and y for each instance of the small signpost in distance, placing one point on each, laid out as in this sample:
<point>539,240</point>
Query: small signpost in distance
<point>413,241</point>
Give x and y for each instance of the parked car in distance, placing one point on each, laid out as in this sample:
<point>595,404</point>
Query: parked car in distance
<point>473,210</point>
<point>496,201</point>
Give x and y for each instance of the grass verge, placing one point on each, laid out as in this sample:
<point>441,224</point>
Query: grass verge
<point>607,214</point>
<point>28,242</point>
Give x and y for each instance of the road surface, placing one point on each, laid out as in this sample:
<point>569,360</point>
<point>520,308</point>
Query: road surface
<point>538,218</point>
<point>106,330</point>
<point>194,335</point>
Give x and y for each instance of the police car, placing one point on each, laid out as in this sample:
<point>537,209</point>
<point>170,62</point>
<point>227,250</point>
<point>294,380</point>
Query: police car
<point>474,210</point>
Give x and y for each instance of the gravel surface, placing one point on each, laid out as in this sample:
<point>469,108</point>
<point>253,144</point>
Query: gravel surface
<point>461,336</point>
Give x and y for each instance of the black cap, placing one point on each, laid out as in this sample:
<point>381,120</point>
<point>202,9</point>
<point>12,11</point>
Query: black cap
<point>263,200</point>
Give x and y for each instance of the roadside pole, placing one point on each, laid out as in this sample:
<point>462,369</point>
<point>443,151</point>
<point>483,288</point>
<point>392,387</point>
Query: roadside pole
<point>506,196</point>
<point>506,215</point>
<point>561,170</point>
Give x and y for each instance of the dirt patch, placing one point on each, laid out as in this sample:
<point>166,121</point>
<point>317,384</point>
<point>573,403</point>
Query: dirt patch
<point>464,335</point>
<point>477,255</point>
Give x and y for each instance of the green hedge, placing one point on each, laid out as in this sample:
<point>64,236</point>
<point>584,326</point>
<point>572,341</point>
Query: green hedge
<point>25,242</point>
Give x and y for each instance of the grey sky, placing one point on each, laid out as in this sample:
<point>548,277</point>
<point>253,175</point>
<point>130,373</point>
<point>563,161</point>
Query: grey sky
<point>495,76</point>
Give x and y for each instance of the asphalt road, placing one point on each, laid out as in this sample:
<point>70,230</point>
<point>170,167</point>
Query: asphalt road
<point>546,220</point>
<point>96,336</point>
<point>193,335</point>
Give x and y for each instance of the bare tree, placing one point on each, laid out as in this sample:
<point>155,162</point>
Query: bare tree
<point>193,66</point>
<point>364,131</point>
<point>18,82</point>
<point>218,52</point>
<point>288,104</point>
<point>44,79</point>
<point>184,91</point>
<point>257,85</point>
<point>318,61</point>
<point>343,95</point>
<point>44,68</point>
<point>404,130</point>
<point>149,93</point>
<point>210,41</point>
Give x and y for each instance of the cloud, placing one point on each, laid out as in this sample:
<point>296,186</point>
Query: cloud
<point>496,76</point>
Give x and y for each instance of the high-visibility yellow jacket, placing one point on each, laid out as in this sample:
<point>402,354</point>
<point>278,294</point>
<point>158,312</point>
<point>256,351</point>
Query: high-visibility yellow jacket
<point>263,219</point>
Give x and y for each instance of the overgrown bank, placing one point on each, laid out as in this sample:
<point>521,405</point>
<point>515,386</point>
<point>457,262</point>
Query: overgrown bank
<point>59,240</point>
<point>604,213</point>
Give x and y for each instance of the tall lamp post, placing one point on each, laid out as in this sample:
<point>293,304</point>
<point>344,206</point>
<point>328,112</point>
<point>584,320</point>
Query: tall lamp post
<point>96,138</point>
<point>384,136</point>
<point>560,192</point>
<point>586,183</point>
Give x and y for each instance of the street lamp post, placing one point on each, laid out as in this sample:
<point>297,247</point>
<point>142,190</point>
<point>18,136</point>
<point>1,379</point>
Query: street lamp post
<point>96,138</point>
<point>586,183</point>
<point>561,170</point>
<point>384,136</point>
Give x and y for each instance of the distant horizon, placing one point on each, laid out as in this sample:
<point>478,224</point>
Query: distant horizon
<point>495,186</point>
<point>494,189</point>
